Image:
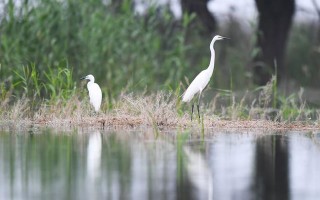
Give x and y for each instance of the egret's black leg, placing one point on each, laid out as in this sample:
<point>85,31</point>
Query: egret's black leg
<point>198,111</point>
<point>192,111</point>
<point>198,106</point>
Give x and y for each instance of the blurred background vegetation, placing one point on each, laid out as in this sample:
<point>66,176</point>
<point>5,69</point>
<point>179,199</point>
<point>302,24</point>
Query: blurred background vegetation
<point>47,45</point>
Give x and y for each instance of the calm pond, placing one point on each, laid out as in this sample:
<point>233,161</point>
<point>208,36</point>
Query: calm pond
<point>137,165</point>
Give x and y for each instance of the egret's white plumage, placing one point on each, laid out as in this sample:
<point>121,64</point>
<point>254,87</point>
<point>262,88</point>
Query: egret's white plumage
<point>197,85</point>
<point>95,93</point>
<point>202,79</point>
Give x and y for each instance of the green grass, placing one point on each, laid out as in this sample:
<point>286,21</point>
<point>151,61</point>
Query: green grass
<point>121,50</point>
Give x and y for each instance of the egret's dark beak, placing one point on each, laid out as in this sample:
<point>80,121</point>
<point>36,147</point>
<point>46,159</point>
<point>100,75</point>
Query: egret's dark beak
<point>226,38</point>
<point>82,78</point>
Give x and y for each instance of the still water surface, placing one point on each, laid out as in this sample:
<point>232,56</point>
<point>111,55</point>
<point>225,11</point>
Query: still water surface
<point>136,165</point>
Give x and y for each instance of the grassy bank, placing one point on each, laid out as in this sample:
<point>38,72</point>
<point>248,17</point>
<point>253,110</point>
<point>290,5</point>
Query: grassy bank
<point>57,100</point>
<point>223,109</point>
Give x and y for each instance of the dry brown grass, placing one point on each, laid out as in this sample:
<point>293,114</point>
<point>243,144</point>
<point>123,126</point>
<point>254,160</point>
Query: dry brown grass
<point>157,110</point>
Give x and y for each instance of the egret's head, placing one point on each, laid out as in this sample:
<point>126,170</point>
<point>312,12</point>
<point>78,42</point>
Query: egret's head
<point>215,38</point>
<point>88,77</point>
<point>218,37</point>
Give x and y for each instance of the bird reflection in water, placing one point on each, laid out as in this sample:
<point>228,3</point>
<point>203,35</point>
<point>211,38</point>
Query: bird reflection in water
<point>94,155</point>
<point>199,174</point>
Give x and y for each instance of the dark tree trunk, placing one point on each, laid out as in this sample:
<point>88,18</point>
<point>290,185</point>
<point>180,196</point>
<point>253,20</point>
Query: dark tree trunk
<point>271,168</point>
<point>275,17</point>
<point>200,8</point>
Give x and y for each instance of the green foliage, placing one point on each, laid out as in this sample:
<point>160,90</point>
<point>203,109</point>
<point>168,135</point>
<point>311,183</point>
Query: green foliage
<point>59,83</point>
<point>56,83</point>
<point>121,49</point>
<point>303,54</point>
<point>28,80</point>
<point>289,107</point>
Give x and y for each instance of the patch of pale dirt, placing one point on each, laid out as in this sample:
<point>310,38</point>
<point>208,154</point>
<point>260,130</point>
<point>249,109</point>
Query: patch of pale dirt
<point>129,122</point>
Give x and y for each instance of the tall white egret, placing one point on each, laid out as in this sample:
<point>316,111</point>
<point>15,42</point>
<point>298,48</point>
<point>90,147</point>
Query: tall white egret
<point>202,79</point>
<point>95,93</point>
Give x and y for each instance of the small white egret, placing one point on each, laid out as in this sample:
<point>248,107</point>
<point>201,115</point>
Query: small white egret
<point>95,93</point>
<point>202,79</point>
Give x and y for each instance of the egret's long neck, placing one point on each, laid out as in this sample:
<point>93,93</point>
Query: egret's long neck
<point>211,65</point>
